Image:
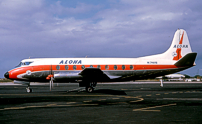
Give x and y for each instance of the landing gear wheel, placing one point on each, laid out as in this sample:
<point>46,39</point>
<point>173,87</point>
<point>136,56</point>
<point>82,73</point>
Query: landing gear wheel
<point>29,90</point>
<point>89,89</point>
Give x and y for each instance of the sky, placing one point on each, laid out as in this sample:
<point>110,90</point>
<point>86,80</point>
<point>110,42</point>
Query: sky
<point>95,28</point>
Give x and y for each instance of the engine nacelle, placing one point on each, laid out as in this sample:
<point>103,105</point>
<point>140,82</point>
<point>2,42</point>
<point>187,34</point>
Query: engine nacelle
<point>67,76</point>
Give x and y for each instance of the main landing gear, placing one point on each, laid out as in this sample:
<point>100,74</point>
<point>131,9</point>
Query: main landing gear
<point>89,89</point>
<point>90,86</point>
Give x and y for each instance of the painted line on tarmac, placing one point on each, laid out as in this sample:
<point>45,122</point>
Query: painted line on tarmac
<point>115,98</point>
<point>87,104</point>
<point>174,92</point>
<point>88,101</point>
<point>139,99</point>
<point>129,97</point>
<point>51,95</point>
<point>137,96</point>
<point>149,95</point>
<point>46,106</point>
<point>51,105</point>
<point>191,99</point>
<point>151,110</point>
<point>101,100</point>
<point>70,102</point>
<point>114,103</point>
<point>153,107</point>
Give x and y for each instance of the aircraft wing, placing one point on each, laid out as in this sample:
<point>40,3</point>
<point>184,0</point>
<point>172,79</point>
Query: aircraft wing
<point>96,73</point>
<point>91,71</point>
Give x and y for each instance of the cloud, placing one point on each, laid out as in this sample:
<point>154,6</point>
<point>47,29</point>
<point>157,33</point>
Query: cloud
<point>58,8</point>
<point>124,28</point>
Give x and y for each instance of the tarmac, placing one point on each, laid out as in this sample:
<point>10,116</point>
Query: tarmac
<point>128,103</point>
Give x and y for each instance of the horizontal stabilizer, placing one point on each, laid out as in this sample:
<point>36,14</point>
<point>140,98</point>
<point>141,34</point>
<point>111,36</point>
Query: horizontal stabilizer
<point>187,60</point>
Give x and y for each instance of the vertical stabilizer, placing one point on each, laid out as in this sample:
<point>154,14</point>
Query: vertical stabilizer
<point>180,46</point>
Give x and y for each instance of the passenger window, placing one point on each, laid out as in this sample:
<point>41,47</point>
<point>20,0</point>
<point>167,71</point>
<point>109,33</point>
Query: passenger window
<point>131,67</point>
<point>98,66</point>
<point>123,67</point>
<point>115,67</point>
<point>66,67</point>
<point>83,67</point>
<point>91,66</point>
<point>74,67</point>
<point>58,67</point>
<point>106,67</point>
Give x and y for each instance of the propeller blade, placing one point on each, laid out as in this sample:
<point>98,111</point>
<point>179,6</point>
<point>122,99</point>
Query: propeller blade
<point>50,85</point>
<point>51,79</point>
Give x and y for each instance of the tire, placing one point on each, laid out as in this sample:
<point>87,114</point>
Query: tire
<point>29,90</point>
<point>89,89</point>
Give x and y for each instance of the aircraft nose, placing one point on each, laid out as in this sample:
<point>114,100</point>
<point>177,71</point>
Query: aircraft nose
<point>6,75</point>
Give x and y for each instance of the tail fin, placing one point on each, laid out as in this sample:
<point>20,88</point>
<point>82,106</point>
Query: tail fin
<point>180,46</point>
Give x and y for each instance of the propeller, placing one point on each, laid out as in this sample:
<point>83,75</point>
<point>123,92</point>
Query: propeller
<point>50,77</point>
<point>51,81</point>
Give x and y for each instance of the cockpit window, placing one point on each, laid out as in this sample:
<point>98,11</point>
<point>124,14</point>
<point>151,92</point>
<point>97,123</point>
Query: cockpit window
<point>19,64</point>
<point>27,63</point>
<point>23,63</point>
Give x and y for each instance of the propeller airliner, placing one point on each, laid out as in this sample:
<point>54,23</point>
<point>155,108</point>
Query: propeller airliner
<point>88,71</point>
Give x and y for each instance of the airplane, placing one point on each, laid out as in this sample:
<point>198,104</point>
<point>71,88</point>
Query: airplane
<point>175,76</point>
<point>88,71</point>
<point>172,77</point>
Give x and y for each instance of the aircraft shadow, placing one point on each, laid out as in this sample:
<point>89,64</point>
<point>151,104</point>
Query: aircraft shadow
<point>111,92</point>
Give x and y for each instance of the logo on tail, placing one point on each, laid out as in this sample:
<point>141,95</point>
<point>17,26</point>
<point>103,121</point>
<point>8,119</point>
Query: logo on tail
<point>177,55</point>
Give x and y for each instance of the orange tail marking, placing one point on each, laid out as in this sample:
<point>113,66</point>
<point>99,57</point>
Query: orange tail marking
<point>181,38</point>
<point>178,51</point>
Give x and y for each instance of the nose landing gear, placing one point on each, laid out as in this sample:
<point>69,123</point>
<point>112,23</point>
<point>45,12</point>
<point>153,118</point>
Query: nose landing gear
<point>29,90</point>
<point>161,81</point>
